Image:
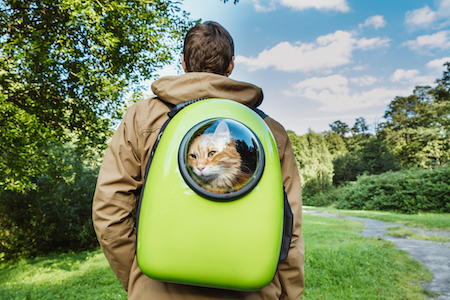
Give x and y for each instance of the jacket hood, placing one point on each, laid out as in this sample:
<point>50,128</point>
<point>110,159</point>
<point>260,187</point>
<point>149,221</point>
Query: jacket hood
<point>195,85</point>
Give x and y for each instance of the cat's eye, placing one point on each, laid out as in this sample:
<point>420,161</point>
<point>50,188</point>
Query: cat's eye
<point>193,156</point>
<point>211,153</point>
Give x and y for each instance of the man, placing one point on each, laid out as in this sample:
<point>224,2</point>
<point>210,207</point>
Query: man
<point>208,60</point>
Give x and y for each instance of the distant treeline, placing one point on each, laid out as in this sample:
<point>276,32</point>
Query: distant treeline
<point>416,135</point>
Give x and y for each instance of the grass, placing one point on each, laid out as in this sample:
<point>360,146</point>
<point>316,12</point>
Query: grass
<point>340,264</point>
<point>412,235</point>
<point>429,221</point>
<point>83,275</point>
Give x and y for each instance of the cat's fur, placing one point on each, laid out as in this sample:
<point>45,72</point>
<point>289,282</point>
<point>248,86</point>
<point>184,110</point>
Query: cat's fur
<point>216,162</point>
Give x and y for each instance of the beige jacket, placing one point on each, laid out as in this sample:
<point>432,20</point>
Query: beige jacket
<point>122,176</point>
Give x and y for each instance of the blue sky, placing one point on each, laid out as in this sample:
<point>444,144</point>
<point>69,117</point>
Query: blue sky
<point>319,61</point>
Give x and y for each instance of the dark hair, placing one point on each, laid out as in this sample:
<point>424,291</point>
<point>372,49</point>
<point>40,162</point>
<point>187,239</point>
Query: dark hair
<point>208,47</point>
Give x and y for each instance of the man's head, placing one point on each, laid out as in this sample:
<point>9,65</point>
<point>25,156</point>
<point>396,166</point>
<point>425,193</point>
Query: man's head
<point>208,47</point>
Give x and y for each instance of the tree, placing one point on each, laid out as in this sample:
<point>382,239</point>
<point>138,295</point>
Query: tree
<point>375,158</point>
<point>410,112</point>
<point>372,158</point>
<point>417,127</point>
<point>335,144</point>
<point>314,162</point>
<point>65,66</point>
<point>360,126</point>
<point>56,214</point>
<point>340,128</point>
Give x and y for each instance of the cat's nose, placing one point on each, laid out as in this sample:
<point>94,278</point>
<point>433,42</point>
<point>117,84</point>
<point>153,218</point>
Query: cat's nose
<point>200,168</point>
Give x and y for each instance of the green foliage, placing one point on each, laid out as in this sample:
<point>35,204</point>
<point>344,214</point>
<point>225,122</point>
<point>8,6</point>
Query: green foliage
<point>357,153</point>
<point>408,191</point>
<point>360,126</point>
<point>335,144</point>
<point>346,168</point>
<point>340,128</point>
<point>20,150</point>
<point>422,147</point>
<point>65,65</point>
<point>314,162</point>
<point>325,198</point>
<point>56,214</point>
<point>64,68</point>
<point>373,158</point>
<point>417,129</point>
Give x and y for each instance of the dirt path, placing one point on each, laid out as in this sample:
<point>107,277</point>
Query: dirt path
<point>434,255</point>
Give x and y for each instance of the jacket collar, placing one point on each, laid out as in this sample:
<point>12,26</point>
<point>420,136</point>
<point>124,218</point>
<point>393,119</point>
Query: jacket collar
<point>194,85</point>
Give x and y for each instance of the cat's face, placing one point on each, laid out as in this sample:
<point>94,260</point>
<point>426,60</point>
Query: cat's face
<point>214,159</point>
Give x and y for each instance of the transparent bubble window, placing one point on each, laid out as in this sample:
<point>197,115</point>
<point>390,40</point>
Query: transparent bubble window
<point>221,159</point>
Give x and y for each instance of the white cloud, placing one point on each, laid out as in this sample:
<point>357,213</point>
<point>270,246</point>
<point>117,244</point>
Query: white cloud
<point>402,75</point>
<point>375,21</point>
<point>326,52</point>
<point>360,68</point>
<point>439,40</point>
<point>425,17</point>
<point>333,94</point>
<point>411,77</point>
<point>444,8</point>
<point>367,44</point>
<point>422,17</point>
<point>438,64</point>
<point>336,5</point>
<point>364,81</point>
<point>263,8</point>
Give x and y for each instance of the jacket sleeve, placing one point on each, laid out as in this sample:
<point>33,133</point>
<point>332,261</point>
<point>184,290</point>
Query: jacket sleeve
<point>116,194</point>
<point>291,270</point>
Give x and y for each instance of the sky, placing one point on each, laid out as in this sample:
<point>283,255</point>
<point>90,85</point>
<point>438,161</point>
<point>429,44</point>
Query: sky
<point>319,61</point>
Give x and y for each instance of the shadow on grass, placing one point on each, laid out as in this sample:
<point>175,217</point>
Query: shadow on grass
<point>66,276</point>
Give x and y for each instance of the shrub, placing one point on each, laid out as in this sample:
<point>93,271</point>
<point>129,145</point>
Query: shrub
<point>407,191</point>
<point>55,215</point>
<point>326,198</point>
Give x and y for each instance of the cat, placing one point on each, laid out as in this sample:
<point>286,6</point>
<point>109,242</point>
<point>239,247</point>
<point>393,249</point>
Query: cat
<point>215,161</point>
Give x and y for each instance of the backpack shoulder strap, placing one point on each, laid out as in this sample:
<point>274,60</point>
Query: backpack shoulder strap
<point>169,105</point>
<point>259,112</point>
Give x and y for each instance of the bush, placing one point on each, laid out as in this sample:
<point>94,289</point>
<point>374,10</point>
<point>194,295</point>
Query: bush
<point>407,191</point>
<point>54,216</point>
<point>326,198</point>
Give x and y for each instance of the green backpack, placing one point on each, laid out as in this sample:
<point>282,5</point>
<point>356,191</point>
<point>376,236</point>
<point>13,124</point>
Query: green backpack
<point>213,211</point>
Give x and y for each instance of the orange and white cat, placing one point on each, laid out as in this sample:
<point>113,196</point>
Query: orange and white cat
<point>216,162</point>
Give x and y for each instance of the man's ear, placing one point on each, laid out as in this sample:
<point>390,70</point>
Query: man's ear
<point>183,63</point>
<point>230,67</point>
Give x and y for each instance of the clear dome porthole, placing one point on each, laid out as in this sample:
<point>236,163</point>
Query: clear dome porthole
<point>221,159</point>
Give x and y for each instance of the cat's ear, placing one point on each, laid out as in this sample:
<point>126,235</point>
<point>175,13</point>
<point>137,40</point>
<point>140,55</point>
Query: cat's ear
<point>222,132</point>
<point>221,136</point>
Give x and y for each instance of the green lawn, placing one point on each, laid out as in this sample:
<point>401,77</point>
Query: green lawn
<point>66,276</point>
<point>410,234</point>
<point>429,221</point>
<point>340,264</point>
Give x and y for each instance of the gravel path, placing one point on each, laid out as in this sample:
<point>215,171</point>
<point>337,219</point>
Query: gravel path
<point>434,255</point>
